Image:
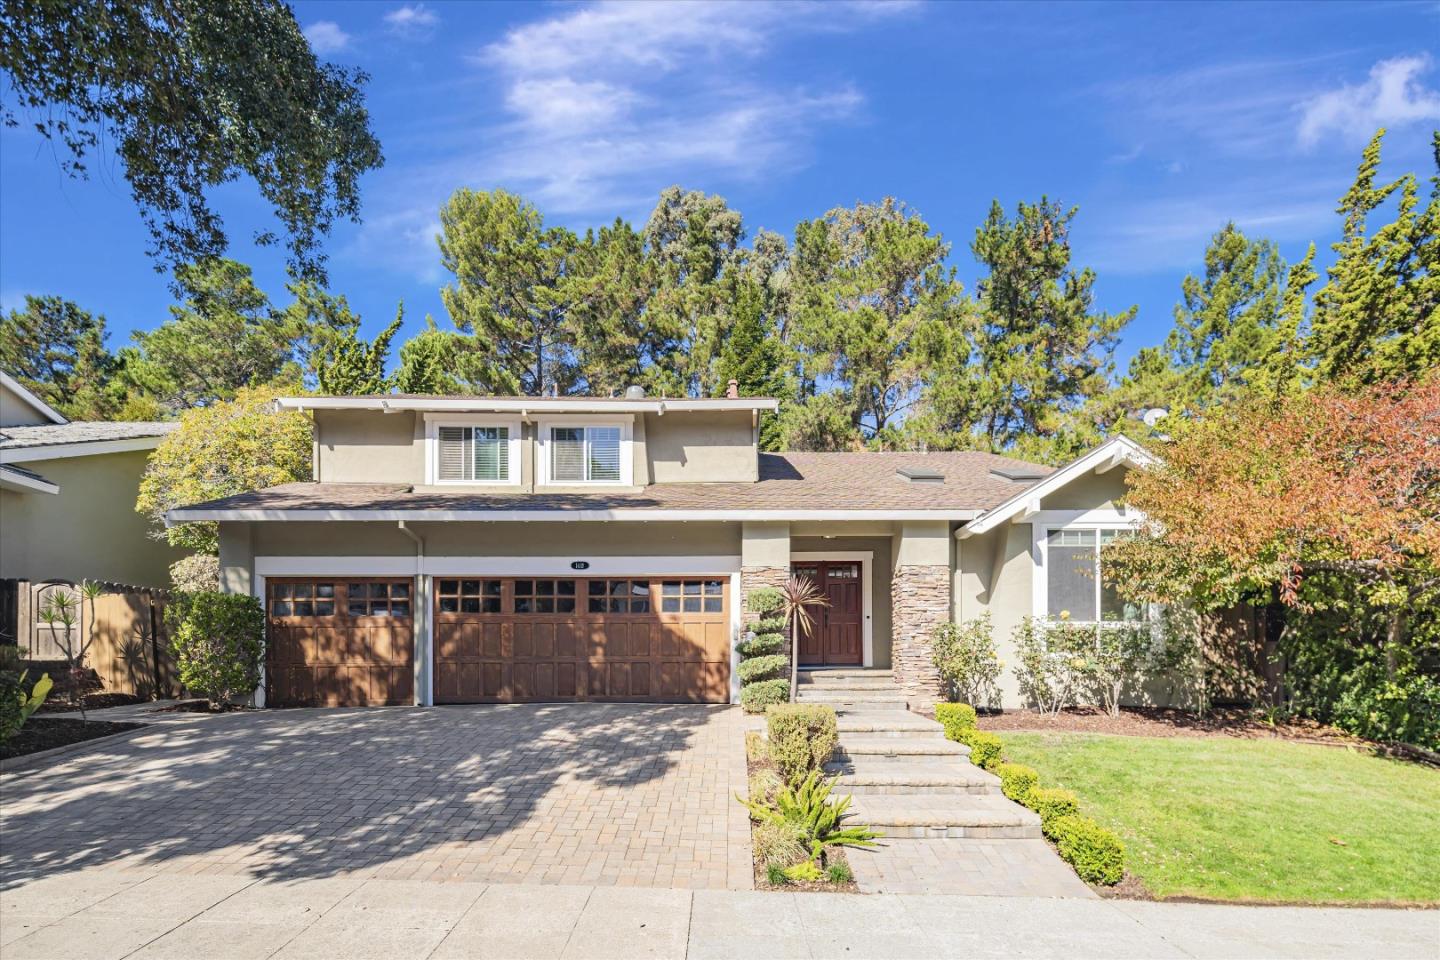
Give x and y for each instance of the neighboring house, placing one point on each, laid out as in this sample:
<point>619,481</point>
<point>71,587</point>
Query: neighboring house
<point>473,549</point>
<point>67,496</point>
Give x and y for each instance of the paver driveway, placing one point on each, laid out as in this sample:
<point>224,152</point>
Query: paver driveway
<point>602,794</point>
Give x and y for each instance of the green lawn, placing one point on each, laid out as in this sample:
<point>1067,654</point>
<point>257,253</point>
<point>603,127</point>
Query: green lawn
<point>1253,820</point>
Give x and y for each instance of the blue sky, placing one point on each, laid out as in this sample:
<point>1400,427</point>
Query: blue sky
<point>1161,121</point>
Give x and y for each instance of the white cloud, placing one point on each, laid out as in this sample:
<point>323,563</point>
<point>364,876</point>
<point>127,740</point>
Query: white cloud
<point>410,19</point>
<point>325,36</point>
<point>1392,96</point>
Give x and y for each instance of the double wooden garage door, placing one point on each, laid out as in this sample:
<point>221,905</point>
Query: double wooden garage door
<point>347,641</point>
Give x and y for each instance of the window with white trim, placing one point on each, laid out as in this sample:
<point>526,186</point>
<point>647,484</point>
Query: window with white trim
<point>1074,586</point>
<point>472,454</point>
<point>585,454</point>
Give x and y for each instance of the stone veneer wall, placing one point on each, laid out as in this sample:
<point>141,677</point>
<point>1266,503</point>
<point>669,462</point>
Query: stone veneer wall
<point>752,578</point>
<point>920,598</point>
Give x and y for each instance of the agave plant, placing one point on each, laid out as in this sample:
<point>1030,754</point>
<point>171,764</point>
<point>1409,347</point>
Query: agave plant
<point>806,807</point>
<point>800,595</point>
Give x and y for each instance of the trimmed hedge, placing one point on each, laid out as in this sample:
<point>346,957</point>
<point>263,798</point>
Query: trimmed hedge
<point>802,737</point>
<point>761,668</point>
<point>955,717</point>
<point>769,625</point>
<point>761,644</point>
<point>984,747</point>
<point>1097,855</point>
<point>1052,803</point>
<point>755,697</point>
<point>764,600</point>
<point>1017,780</point>
<point>218,640</point>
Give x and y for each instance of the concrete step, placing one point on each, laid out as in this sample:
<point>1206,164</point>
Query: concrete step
<point>982,816</point>
<point>885,697</point>
<point>844,673</point>
<point>885,723</point>
<point>856,747</point>
<point>928,777</point>
<point>827,682</point>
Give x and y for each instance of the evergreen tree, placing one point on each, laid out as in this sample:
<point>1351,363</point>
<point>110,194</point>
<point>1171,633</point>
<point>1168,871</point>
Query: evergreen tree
<point>752,355</point>
<point>57,350</point>
<point>606,291</point>
<point>430,362</point>
<point>354,367</point>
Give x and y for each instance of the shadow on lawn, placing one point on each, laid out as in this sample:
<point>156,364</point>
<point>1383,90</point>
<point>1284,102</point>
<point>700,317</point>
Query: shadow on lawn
<point>319,792</point>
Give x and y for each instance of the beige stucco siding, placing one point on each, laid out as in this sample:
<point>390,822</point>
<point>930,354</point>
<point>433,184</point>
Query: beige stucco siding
<point>17,412</point>
<point>880,569</point>
<point>88,530</point>
<point>1093,491</point>
<point>701,447</point>
<point>362,446</point>
<point>994,573</point>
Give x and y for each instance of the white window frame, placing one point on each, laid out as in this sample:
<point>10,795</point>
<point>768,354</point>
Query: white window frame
<point>626,426</point>
<point>1050,521</point>
<point>514,448</point>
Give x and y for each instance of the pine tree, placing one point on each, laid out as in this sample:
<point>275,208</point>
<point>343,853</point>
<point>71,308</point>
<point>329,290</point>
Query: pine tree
<point>57,350</point>
<point>355,367</point>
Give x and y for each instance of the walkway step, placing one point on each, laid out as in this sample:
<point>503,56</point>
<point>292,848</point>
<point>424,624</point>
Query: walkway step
<point>845,683</point>
<point>899,749</point>
<point>932,778</point>
<point>885,723</point>
<point>842,697</point>
<point>844,673</point>
<point>979,816</point>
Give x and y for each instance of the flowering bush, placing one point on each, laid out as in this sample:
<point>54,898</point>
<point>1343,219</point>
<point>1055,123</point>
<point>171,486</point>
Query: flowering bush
<point>966,658</point>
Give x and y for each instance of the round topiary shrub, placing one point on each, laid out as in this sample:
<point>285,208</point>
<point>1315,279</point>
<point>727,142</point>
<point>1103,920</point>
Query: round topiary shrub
<point>761,668</point>
<point>760,645</point>
<point>1052,803</point>
<point>769,625</point>
<point>218,640</point>
<point>756,697</point>
<point>1097,855</point>
<point>1017,780</point>
<point>764,600</point>
<point>984,747</point>
<point>955,717</point>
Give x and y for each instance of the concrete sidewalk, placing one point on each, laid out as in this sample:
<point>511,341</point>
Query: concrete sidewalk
<point>110,914</point>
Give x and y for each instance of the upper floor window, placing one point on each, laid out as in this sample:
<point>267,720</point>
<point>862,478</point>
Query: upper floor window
<point>1073,581</point>
<point>588,453</point>
<point>474,451</point>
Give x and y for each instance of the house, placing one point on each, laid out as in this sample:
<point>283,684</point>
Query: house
<point>67,496</point>
<point>495,549</point>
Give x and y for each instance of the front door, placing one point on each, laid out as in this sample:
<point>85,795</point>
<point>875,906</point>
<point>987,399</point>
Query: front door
<point>836,633</point>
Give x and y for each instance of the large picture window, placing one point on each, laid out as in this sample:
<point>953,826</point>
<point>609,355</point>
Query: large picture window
<point>588,454</point>
<point>1073,583</point>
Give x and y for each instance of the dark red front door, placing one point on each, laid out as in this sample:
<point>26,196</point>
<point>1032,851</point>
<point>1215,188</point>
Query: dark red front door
<point>836,633</point>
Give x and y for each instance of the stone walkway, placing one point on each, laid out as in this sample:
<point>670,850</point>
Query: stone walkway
<point>119,915</point>
<point>594,794</point>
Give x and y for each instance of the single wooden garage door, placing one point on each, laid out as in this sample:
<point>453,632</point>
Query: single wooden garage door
<point>661,639</point>
<point>340,642</point>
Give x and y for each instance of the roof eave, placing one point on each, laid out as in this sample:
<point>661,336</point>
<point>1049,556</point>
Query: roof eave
<point>618,514</point>
<point>527,404</point>
<point>78,448</point>
<point>35,403</point>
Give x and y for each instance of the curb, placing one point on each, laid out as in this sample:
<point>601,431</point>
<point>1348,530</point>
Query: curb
<point>25,761</point>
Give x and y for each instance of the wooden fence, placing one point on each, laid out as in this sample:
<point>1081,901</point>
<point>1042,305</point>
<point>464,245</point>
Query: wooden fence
<point>128,650</point>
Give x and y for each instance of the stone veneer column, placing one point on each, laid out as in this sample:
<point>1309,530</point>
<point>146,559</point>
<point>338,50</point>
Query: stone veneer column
<point>920,601</point>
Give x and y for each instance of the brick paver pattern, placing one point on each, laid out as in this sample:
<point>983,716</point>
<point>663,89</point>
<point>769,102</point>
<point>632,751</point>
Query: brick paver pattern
<point>598,794</point>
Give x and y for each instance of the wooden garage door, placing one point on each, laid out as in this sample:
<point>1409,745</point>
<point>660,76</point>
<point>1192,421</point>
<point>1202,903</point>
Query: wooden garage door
<point>340,642</point>
<point>663,639</point>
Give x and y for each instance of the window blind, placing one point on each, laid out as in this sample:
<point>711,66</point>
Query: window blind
<point>492,453</point>
<point>567,454</point>
<point>604,453</point>
<point>454,452</point>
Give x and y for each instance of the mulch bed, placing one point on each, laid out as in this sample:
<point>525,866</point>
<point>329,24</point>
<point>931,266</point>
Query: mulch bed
<point>200,706</point>
<point>94,701</point>
<point>1166,722</point>
<point>45,733</point>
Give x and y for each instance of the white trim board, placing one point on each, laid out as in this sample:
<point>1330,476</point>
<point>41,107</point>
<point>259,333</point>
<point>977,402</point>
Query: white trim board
<point>866,558</point>
<point>1040,531</point>
<point>78,448</point>
<point>29,398</point>
<point>624,422</point>
<point>639,514</point>
<point>24,483</point>
<point>525,406</point>
<point>514,447</point>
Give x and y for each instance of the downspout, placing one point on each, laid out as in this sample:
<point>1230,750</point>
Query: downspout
<point>424,645</point>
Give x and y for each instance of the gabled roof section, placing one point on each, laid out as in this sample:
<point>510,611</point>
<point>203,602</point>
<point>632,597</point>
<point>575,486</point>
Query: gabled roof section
<point>527,405</point>
<point>21,480</point>
<point>30,400</point>
<point>1118,451</point>
<point>80,439</point>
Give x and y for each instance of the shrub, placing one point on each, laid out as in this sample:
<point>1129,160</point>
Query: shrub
<point>804,872</point>
<point>802,736</point>
<point>964,653</point>
<point>1052,803</point>
<point>1051,661</point>
<point>756,750</point>
<point>775,875</point>
<point>1017,780</point>
<point>777,845</point>
<point>769,625</point>
<point>761,644</point>
<point>764,783</point>
<point>984,747</point>
<point>955,717</point>
<point>196,573</point>
<point>764,600</point>
<point>839,873</point>
<point>762,668</point>
<point>806,806</point>
<point>1097,855</point>
<point>755,697</point>
<point>218,640</point>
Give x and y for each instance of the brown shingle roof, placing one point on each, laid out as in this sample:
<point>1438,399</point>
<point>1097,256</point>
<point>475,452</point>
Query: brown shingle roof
<point>791,481</point>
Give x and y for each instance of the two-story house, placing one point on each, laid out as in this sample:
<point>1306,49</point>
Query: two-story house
<point>497,549</point>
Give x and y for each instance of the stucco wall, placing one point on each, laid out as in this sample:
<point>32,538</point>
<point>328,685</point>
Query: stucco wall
<point>1093,491</point>
<point>701,447</point>
<point>880,611</point>
<point>15,412</point>
<point>88,530</point>
<point>362,446</point>
<point>994,573</point>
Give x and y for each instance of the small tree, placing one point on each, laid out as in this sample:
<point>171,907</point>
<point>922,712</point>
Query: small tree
<point>1051,661</point>
<point>966,658</point>
<point>1117,657</point>
<point>800,595</point>
<point>63,613</point>
<point>218,640</point>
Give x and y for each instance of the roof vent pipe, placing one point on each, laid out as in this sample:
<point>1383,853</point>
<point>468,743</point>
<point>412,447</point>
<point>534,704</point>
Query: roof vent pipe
<point>732,390</point>
<point>634,392</point>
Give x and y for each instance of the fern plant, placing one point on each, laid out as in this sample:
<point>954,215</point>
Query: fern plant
<point>807,808</point>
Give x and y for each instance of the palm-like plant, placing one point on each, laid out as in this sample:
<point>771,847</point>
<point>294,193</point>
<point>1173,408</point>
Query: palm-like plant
<point>806,808</point>
<point>800,595</point>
